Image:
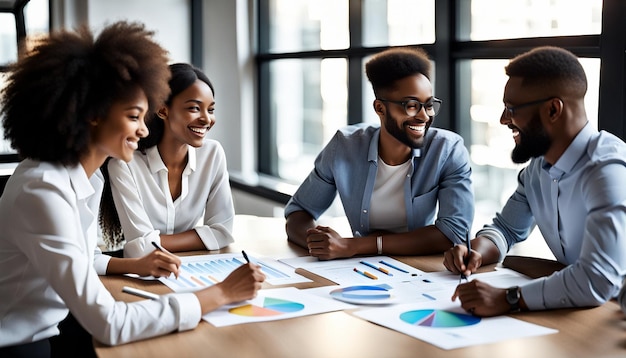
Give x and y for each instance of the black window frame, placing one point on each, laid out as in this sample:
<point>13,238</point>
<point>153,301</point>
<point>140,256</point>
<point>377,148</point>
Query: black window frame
<point>448,53</point>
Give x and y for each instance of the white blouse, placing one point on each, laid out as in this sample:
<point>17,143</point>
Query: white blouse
<point>145,207</point>
<point>48,244</point>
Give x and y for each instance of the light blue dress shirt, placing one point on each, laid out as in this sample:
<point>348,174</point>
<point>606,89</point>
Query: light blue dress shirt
<point>579,205</point>
<point>438,183</point>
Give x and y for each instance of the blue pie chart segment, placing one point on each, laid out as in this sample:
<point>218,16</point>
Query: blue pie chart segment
<point>438,318</point>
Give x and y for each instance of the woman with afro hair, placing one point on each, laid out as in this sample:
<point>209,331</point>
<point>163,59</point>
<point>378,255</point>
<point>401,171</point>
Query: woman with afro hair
<point>71,103</point>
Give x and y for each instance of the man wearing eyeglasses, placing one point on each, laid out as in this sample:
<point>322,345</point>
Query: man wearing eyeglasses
<point>572,190</point>
<point>405,186</point>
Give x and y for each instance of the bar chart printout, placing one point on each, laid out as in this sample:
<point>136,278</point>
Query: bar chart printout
<point>201,271</point>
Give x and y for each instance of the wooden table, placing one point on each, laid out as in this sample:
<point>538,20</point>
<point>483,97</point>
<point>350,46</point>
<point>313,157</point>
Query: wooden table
<point>594,332</point>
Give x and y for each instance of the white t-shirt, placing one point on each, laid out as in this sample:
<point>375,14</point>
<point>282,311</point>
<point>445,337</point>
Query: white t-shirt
<point>146,209</point>
<point>387,211</point>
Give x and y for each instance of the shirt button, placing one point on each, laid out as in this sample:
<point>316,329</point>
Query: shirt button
<point>555,180</point>
<point>365,211</point>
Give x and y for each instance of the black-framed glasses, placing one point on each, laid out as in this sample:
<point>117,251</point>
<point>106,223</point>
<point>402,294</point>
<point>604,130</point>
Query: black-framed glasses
<point>412,106</point>
<point>509,112</point>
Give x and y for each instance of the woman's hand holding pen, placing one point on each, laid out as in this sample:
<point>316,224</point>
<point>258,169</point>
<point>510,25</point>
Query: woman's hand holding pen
<point>158,264</point>
<point>243,283</point>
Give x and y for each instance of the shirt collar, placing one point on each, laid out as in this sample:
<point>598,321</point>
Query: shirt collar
<point>81,184</point>
<point>372,154</point>
<point>155,163</point>
<point>575,150</point>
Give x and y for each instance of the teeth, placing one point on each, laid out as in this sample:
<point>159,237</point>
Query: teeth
<point>201,130</point>
<point>132,144</point>
<point>417,128</point>
<point>515,133</point>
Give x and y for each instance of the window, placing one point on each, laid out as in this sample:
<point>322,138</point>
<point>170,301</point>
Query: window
<point>312,83</point>
<point>20,23</point>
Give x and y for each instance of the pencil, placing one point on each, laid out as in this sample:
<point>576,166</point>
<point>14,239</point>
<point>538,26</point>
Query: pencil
<point>245,256</point>
<point>393,266</point>
<point>381,269</point>
<point>366,274</point>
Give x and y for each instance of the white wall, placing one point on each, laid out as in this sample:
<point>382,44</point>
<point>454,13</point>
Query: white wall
<point>169,19</point>
<point>229,40</point>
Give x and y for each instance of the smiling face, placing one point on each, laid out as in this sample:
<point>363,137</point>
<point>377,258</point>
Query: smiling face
<point>531,138</point>
<point>117,134</point>
<point>407,130</point>
<point>190,115</point>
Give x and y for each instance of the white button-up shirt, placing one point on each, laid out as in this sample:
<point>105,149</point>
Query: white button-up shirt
<point>146,209</point>
<point>48,244</point>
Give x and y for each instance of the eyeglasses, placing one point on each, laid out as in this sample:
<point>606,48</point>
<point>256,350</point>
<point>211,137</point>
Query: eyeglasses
<point>510,111</point>
<point>412,107</point>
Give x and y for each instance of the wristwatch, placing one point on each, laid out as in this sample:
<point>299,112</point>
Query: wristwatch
<point>513,295</point>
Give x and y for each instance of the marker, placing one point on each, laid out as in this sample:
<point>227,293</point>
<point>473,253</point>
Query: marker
<point>140,293</point>
<point>381,269</point>
<point>366,274</point>
<point>245,256</point>
<point>469,251</point>
<point>393,266</point>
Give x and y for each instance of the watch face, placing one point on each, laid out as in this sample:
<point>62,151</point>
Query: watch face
<point>512,295</point>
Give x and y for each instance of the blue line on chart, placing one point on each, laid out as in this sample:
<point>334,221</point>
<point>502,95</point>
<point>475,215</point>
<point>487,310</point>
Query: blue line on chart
<point>267,269</point>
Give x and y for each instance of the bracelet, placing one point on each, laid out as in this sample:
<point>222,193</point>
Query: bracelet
<point>379,244</point>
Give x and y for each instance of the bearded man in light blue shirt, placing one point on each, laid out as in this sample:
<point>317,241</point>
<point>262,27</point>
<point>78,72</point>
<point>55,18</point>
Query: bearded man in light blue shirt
<point>405,186</point>
<point>572,190</point>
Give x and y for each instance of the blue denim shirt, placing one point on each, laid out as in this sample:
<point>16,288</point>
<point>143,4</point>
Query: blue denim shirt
<point>579,205</point>
<point>439,183</point>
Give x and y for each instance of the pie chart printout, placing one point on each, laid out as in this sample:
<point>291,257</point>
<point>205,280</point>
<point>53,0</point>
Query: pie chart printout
<point>438,318</point>
<point>271,307</point>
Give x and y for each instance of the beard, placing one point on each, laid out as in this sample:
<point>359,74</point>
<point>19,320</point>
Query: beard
<point>533,142</point>
<point>399,133</point>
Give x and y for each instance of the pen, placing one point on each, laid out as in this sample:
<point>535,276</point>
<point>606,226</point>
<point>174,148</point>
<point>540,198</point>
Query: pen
<point>158,247</point>
<point>245,256</point>
<point>469,251</point>
<point>381,269</point>
<point>140,293</point>
<point>393,266</point>
<point>366,274</point>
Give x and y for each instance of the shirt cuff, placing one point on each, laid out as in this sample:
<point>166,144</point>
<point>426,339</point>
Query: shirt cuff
<point>214,239</point>
<point>142,246</point>
<point>497,239</point>
<point>189,310</point>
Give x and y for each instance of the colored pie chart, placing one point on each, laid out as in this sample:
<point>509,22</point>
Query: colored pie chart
<point>271,307</point>
<point>438,318</point>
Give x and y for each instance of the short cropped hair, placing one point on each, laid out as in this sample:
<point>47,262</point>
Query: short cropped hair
<point>69,79</point>
<point>183,76</point>
<point>550,66</point>
<point>391,65</point>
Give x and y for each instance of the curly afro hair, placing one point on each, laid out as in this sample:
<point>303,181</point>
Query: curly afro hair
<point>391,65</point>
<point>70,79</point>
